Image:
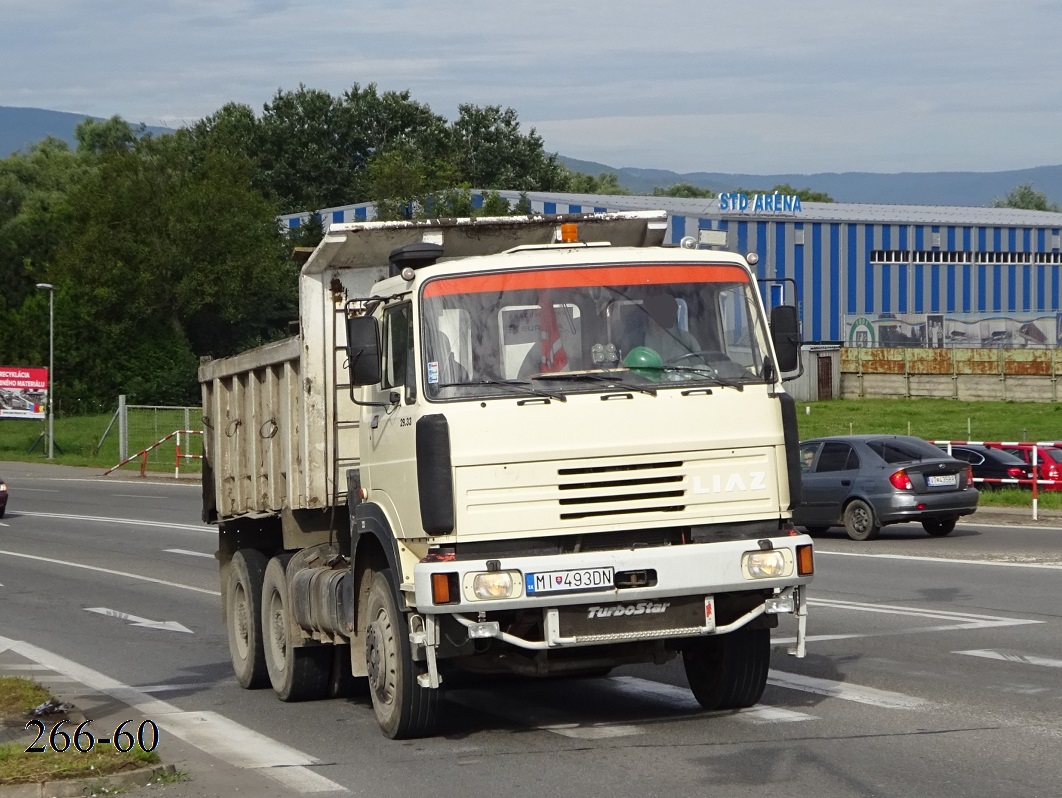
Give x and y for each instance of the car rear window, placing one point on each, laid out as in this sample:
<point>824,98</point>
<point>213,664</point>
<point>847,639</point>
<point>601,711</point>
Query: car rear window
<point>906,450</point>
<point>1007,458</point>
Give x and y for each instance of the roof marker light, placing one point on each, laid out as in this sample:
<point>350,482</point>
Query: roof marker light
<point>569,233</point>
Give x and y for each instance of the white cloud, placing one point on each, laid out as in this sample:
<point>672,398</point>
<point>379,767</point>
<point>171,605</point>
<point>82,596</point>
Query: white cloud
<point>775,86</point>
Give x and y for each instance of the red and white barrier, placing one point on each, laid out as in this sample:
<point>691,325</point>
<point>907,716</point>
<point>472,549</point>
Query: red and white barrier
<point>143,453</point>
<point>1035,482</point>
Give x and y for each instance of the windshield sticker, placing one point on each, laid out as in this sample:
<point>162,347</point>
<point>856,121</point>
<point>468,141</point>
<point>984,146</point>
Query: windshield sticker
<point>433,372</point>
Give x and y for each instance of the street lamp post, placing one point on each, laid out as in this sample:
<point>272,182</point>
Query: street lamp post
<point>51,366</point>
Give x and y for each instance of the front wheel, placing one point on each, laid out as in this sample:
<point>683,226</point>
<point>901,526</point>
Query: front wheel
<point>298,673</point>
<point>403,708</point>
<point>859,521</point>
<point>729,671</point>
<point>939,527</point>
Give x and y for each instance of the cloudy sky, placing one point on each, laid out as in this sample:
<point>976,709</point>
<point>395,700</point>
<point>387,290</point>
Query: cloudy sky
<point>759,87</point>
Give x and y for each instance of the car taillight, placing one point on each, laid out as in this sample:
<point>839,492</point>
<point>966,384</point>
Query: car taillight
<point>1016,472</point>
<point>1052,472</point>
<point>969,475</point>
<point>901,481</point>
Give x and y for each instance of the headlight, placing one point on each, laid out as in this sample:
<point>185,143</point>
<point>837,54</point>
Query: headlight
<point>495,585</point>
<point>769,564</point>
<point>3,487</point>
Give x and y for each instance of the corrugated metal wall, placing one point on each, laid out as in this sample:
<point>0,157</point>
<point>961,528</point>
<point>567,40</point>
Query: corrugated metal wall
<point>845,270</point>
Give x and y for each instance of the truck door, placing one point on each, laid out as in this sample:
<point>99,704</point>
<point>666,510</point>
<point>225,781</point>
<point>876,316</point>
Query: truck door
<point>390,457</point>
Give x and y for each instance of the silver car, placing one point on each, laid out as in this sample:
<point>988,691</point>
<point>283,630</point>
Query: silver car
<point>865,482</point>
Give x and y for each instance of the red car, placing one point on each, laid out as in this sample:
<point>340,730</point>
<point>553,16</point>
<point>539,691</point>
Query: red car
<point>1048,461</point>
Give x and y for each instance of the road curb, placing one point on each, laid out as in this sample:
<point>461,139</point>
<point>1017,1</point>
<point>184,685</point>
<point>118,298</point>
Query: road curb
<point>72,788</point>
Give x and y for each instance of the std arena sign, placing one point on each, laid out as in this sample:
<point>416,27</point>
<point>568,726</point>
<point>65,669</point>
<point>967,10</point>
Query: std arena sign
<point>760,203</point>
<point>23,392</point>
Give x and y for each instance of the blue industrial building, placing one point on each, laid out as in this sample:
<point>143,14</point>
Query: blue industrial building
<point>868,274</point>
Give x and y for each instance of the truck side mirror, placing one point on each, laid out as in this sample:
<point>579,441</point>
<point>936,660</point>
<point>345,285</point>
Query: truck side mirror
<point>785,333</point>
<point>363,350</point>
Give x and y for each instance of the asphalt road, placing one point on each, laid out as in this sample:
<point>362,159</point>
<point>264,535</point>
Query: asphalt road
<point>935,667</point>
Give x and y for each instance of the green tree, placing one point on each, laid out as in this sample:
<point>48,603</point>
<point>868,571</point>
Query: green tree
<point>1027,198</point>
<point>805,194</point>
<point>169,258</point>
<point>686,190</point>
<point>604,183</point>
<point>34,215</point>
<point>491,152</point>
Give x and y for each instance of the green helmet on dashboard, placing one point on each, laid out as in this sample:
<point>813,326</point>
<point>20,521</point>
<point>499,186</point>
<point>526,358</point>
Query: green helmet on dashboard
<point>645,361</point>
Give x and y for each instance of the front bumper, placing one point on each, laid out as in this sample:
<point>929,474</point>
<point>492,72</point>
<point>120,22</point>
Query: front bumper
<point>692,569</point>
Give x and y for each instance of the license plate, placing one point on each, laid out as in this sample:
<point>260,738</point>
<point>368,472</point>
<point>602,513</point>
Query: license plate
<point>936,480</point>
<point>567,581</point>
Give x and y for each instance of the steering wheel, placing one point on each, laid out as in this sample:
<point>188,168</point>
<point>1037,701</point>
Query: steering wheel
<point>699,353</point>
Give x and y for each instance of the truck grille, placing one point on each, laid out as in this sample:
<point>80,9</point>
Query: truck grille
<point>621,489</point>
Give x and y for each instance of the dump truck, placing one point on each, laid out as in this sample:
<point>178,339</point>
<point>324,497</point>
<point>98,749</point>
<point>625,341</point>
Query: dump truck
<point>543,446</point>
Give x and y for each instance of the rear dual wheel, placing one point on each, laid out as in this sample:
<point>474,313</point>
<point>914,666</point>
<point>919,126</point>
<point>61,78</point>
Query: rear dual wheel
<point>297,673</point>
<point>243,618</point>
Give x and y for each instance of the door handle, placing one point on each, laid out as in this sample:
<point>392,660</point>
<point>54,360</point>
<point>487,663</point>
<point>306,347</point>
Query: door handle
<point>847,483</point>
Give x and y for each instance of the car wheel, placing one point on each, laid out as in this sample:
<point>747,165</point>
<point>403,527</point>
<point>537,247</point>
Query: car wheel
<point>816,530</point>
<point>859,521</point>
<point>939,527</point>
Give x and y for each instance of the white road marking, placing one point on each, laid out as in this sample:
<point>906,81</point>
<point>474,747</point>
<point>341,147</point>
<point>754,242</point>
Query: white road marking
<point>681,698</point>
<point>959,621</point>
<point>190,553</point>
<point>22,489</point>
<point>558,720</point>
<point>844,690</point>
<point>137,496</point>
<point>167,626</point>
<point>174,483</point>
<point>210,732</point>
<point>1012,656</point>
<point>948,560</point>
<point>130,521</point>
<point>175,688</point>
<point>111,571</point>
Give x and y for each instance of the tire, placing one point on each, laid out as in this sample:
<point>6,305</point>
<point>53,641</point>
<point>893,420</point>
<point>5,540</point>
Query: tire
<point>859,521</point>
<point>403,708</point>
<point>296,673</point>
<point>243,618</point>
<point>816,530</point>
<point>939,527</point>
<point>729,671</point>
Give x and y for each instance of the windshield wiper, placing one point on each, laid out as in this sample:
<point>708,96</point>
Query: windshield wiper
<point>519,385</point>
<point>580,376</point>
<point>710,373</point>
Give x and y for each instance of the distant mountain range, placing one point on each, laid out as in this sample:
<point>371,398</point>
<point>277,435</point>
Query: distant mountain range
<point>21,128</point>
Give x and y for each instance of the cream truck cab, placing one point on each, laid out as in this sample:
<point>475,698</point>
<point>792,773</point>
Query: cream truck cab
<point>549,445</point>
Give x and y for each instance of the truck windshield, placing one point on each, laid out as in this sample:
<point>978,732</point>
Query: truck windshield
<point>655,325</point>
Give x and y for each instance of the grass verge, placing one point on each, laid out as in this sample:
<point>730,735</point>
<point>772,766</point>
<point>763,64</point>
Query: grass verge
<point>18,766</point>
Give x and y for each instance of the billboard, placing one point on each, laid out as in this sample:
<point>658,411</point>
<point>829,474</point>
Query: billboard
<point>23,392</point>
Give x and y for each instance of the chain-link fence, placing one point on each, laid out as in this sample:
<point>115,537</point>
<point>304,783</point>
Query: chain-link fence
<point>137,427</point>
